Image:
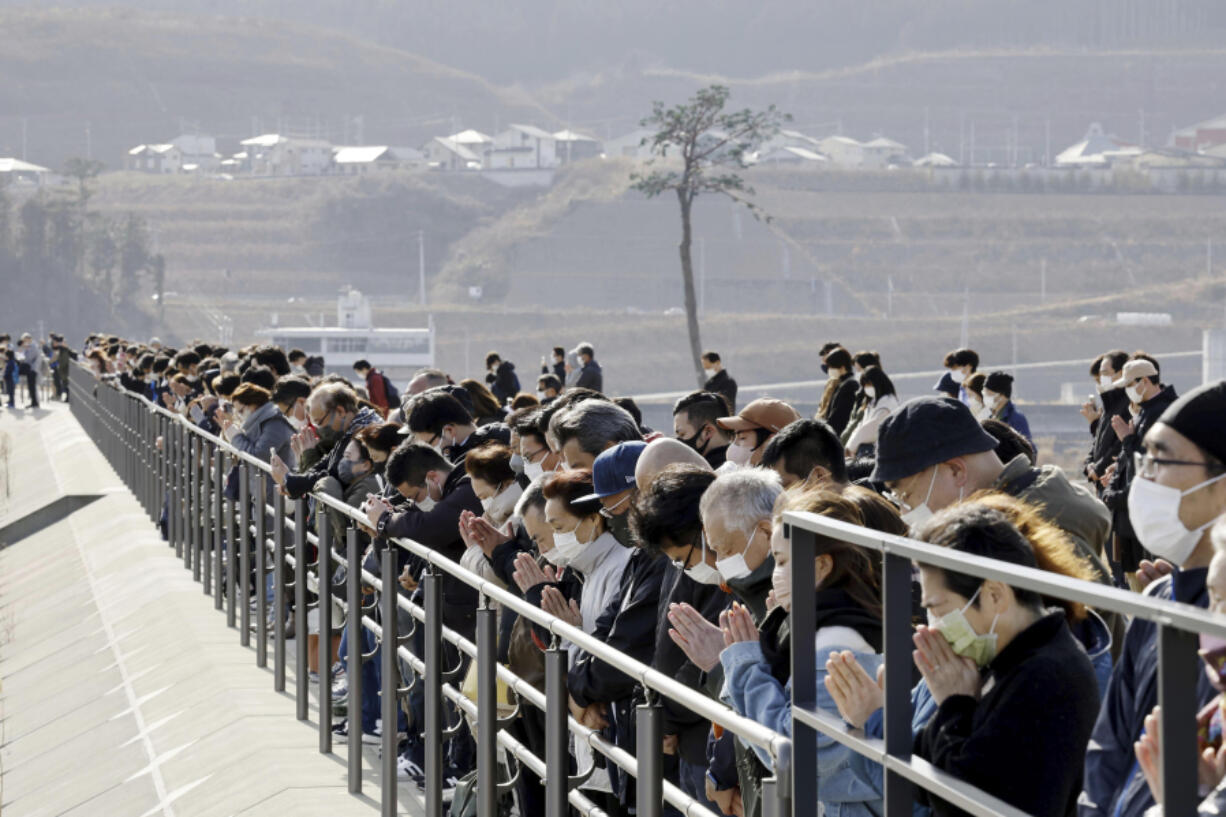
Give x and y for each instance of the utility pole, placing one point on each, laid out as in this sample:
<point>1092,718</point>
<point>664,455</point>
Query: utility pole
<point>421,266</point>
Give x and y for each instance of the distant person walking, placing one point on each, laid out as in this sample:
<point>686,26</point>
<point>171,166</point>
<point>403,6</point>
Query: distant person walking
<point>30,359</point>
<point>718,380</point>
<point>590,374</point>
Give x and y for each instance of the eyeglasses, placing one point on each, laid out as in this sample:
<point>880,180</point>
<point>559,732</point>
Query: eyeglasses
<point>1145,464</point>
<point>532,457</point>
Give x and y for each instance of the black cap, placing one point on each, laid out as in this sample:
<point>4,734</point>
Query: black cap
<point>1000,382</point>
<point>924,432</point>
<point>1199,416</point>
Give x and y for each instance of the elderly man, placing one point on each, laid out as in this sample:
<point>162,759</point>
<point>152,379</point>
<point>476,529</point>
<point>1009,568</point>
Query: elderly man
<point>335,417</point>
<point>583,430</point>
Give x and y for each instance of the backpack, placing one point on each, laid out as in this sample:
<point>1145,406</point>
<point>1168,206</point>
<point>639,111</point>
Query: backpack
<point>390,391</point>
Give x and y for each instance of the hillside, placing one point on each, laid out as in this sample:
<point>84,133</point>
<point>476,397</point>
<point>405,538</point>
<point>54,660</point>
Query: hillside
<point>129,77</point>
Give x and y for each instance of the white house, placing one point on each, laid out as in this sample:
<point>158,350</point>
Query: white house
<point>792,156</point>
<point>935,159</point>
<point>843,151</point>
<point>274,155</point>
<point>882,152</point>
<point>474,140</point>
<point>573,146</point>
<point>522,147</point>
<point>1097,149</point>
<point>356,161</point>
<point>164,158</point>
<point>444,153</point>
<point>630,146</point>
<point>17,171</point>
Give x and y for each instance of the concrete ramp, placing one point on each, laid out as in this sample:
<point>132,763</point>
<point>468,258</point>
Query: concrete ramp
<point>122,691</point>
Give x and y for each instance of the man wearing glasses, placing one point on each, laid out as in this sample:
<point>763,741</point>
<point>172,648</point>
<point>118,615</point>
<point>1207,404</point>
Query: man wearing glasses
<point>1140,381</point>
<point>1178,491</point>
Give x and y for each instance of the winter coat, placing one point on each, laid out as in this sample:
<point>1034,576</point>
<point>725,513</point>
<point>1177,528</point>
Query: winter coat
<point>720,383</point>
<point>1129,549</point>
<point>1024,738</point>
<point>503,382</point>
<point>1011,416</point>
<point>838,413</point>
<point>865,433</point>
<point>439,530</point>
<point>1114,783</point>
<point>266,429</point>
<point>376,390</point>
<point>591,377</point>
<point>1106,445</point>
<point>751,689</point>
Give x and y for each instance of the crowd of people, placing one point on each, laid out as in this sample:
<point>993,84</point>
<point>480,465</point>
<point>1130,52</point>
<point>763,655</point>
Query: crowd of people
<point>671,549</point>
<point>33,365</point>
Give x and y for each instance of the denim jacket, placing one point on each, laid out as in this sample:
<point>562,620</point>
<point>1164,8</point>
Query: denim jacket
<point>844,789</point>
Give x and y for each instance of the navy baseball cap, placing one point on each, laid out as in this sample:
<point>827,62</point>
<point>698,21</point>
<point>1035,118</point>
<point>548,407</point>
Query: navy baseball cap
<point>613,470</point>
<point>924,432</point>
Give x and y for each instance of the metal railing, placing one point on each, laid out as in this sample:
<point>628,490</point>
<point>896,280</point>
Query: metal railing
<point>1178,669</point>
<point>218,539</point>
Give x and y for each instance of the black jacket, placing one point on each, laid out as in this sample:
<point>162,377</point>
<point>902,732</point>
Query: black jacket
<point>591,377</point>
<point>716,457</point>
<point>503,382</point>
<point>1106,446</point>
<point>841,405</point>
<point>490,432</point>
<point>1129,549</point>
<point>1024,740</point>
<point>558,370</point>
<point>439,530</point>
<point>720,383</point>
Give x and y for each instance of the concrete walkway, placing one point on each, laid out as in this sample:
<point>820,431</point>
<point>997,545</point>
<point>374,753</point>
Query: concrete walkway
<point>122,691</point>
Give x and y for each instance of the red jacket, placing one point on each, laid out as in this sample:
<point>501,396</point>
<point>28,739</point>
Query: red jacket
<point>374,388</point>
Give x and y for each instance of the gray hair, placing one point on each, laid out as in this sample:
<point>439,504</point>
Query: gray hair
<point>331,396</point>
<point>741,499</point>
<point>594,424</point>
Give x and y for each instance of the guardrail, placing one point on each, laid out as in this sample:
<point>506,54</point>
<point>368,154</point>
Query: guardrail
<point>218,539</point>
<point>1178,625</point>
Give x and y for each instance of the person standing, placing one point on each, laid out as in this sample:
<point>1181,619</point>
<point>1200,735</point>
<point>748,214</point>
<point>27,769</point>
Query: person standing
<point>590,374</point>
<point>12,374</point>
<point>63,360</point>
<point>718,380</point>
<point>998,397</point>
<point>500,378</point>
<point>30,359</point>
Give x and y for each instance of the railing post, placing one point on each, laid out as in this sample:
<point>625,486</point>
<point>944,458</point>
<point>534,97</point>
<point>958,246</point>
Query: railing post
<point>190,557</point>
<point>557,782</point>
<point>244,550</point>
<point>219,527</point>
<point>390,703</point>
<point>303,685</point>
<point>433,635</point>
<point>208,490</point>
<point>1178,672</point>
<point>804,672</point>
<point>896,581</point>
<point>487,710</point>
<point>324,570</point>
<point>261,567</point>
<point>353,656</point>
<point>648,743</point>
<point>231,549</point>
<point>174,445</point>
<point>278,590</point>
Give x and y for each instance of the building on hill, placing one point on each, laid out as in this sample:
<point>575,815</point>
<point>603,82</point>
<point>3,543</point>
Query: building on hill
<point>272,154</point>
<point>16,171</point>
<point>184,154</point>
<point>1201,136</point>
<point>474,140</point>
<point>882,152</point>
<point>935,159</point>
<point>575,147</point>
<point>1097,149</point>
<point>444,153</point>
<point>792,156</point>
<point>522,147</point>
<point>843,151</point>
<point>359,161</point>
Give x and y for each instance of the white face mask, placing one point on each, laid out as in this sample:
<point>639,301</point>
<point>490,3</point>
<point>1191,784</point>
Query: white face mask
<point>540,395</point>
<point>1154,512</point>
<point>708,372</point>
<point>567,546</point>
<point>958,375</point>
<point>533,470</point>
<point>870,392</point>
<point>921,513</point>
<point>1105,382</point>
<point>297,424</point>
<point>702,572</point>
<point>738,454</point>
<point>993,401</point>
<point>962,637</point>
<point>517,463</point>
<point>735,567</point>
<point>1134,393</point>
<point>781,581</point>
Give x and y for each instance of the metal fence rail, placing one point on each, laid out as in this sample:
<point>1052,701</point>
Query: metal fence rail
<point>1178,625</point>
<point>232,547</point>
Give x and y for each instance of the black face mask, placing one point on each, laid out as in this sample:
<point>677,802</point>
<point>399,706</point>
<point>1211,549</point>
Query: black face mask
<point>692,442</point>
<point>825,370</point>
